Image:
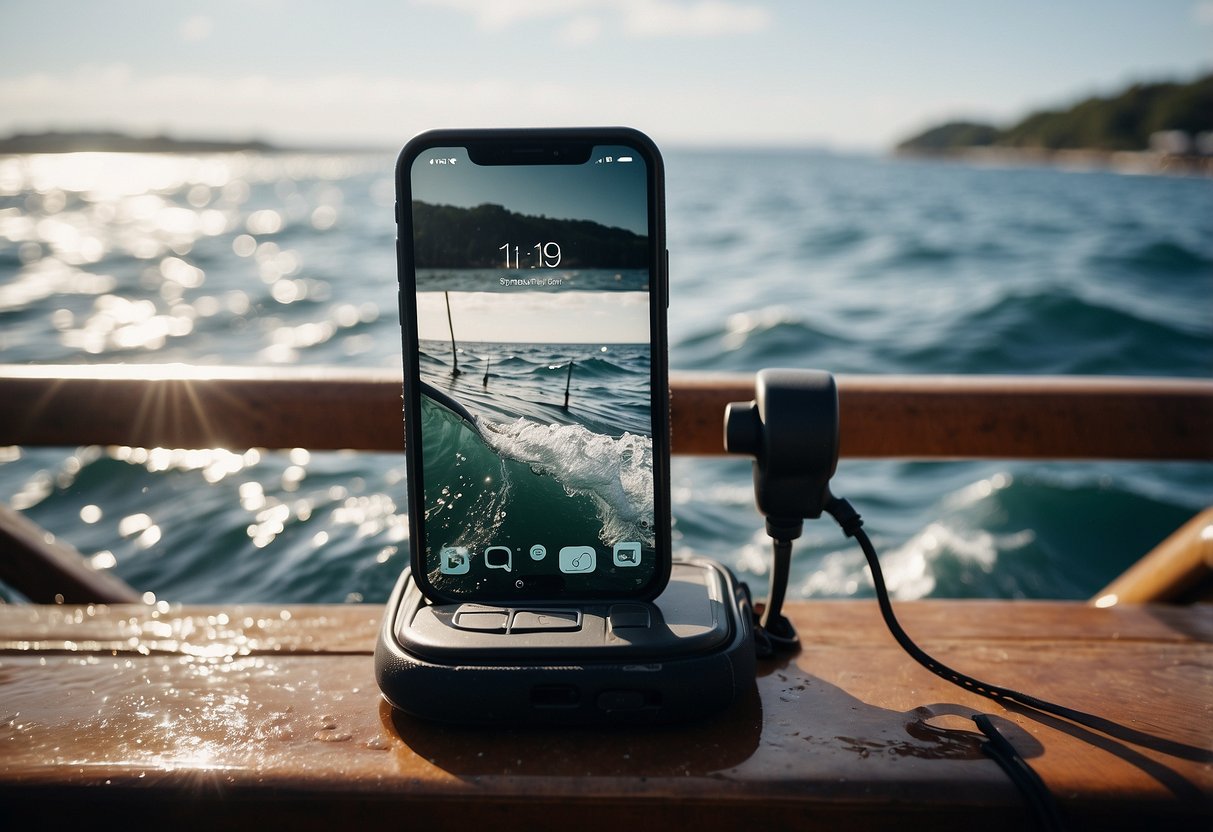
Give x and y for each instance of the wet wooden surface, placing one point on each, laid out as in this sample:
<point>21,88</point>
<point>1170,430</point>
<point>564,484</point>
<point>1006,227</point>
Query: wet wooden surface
<point>247,716</point>
<point>921,417</point>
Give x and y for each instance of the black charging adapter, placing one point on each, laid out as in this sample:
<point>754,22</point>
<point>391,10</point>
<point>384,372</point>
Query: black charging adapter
<point>791,430</point>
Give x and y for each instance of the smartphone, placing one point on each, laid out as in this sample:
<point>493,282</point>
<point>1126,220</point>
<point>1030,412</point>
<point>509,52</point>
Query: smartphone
<point>533,296</point>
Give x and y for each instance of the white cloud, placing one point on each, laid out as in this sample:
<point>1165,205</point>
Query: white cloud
<point>498,14</point>
<point>707,18</point>
<point>638,18</point>
<point>196,28</point>
<point>1202,12</point>
<point>581,30</point>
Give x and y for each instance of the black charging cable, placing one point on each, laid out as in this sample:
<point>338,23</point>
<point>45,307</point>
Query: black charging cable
<point>774,632</point>
<point>852,526</point>
<point>791,430</point>
<point>1035,793</point>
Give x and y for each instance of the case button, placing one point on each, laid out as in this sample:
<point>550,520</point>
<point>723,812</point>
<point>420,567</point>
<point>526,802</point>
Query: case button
<point>629,615</point>
<point>538,621</point>
<point>481,619</point>
<point>622,700</point>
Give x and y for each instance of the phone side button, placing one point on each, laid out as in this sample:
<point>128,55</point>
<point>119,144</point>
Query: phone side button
<point>538,621</point>
<point>665,279</point>
<point>484,621</point>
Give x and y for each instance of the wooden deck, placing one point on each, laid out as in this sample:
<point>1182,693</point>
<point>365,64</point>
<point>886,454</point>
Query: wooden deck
<point>248,716</point>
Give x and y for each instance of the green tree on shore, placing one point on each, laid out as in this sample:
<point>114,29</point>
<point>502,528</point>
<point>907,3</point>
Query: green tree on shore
<point>1121,122</point>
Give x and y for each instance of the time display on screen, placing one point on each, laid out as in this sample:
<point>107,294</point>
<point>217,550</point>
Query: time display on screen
<point>538,256</point>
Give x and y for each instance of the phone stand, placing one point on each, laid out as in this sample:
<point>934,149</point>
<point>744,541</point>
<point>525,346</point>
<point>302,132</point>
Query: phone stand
<point>683,656</point>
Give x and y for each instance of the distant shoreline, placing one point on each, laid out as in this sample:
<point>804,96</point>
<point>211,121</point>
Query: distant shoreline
<point>1141,162</point>
<point>113,142</point>
<point>1163,128</point>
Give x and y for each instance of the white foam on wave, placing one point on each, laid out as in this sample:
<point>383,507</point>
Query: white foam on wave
<point>615,473</point>
<point>910,570</point>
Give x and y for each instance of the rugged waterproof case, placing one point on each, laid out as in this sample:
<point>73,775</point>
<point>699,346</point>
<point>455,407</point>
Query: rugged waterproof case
<point>683,656</point>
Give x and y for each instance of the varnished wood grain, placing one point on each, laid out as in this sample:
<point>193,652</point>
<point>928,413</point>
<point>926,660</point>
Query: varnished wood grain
<point>923,417</point>
<point>254,715</point>
<point>1178,570</point>
<point>45,569</point>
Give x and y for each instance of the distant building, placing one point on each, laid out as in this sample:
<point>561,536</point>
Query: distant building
<point>1173,142</point>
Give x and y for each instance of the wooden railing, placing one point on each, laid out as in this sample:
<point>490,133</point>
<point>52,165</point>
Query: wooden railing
<point>916,417</point>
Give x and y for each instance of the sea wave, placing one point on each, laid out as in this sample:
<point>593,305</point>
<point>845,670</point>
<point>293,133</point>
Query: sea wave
<point>615,473</point>
<point>1163,256</point>
<point>756,338</point>
<point>1056,330</point>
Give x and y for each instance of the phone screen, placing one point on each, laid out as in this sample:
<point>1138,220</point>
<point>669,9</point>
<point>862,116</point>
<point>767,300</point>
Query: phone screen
<point>534,331</point>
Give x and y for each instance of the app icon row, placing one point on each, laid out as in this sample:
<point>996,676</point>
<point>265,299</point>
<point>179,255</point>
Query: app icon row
<point>457,560</point>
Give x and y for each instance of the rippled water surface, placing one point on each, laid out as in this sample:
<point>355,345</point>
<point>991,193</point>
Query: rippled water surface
<point>855,265</point>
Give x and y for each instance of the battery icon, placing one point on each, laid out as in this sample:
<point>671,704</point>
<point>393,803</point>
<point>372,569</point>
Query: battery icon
<point>624,159</point>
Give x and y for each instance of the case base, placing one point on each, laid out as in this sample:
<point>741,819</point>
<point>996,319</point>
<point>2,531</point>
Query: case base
<point>683,656</point>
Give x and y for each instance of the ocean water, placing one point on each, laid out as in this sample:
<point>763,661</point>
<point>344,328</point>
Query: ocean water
<point>610,394</point>
<point>850,264</point>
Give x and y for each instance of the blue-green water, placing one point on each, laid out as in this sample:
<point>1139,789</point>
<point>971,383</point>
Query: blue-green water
<point>851,264</point>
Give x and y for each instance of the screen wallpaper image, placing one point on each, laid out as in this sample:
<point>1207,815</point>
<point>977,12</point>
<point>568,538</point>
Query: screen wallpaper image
<point>533,316</point>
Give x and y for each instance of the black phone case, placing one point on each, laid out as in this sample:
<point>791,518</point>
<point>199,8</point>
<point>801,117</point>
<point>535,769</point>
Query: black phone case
<point>684,656</point>
<point>485,141</point>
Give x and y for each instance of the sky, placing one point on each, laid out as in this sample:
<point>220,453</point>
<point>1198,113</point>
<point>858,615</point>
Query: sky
<point>536,317</point>
<point>847,74</point>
